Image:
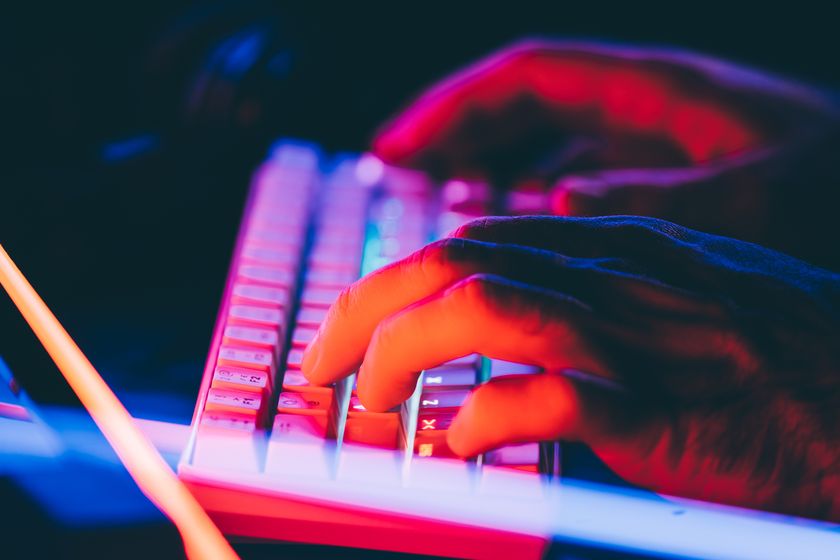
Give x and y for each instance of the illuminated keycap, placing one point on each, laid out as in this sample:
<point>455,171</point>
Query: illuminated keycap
<point>325,278</point>
<point>303,335</point>
<point>319,297</point>
<point>432,444</point>
<point>267,275</point>
<point>448,378</point>
<point>269,256</point>
<point>293,380</point>
<point>260,295</point>
<point>295,358</point>
<point>228,420</point>
<point>253,358</point>
<point>225,377</point>
<point>250,336</point>
<point>300,426</point>
<point>442,399</point>
<point>241,402</point>
<point>524,456</point>
<point>292,401</point>
<point>252,315</point>
<point>311,316</point>
<point>380,429</point>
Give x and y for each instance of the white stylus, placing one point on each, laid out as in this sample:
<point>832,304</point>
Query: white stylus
<point>202,539</point>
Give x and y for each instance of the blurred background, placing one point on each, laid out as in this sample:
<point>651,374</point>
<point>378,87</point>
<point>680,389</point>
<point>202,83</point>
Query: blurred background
<point>130,129</point>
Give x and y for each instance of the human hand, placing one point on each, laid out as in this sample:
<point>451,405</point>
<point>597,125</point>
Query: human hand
<point>628,130</point>
<point>726,352</point>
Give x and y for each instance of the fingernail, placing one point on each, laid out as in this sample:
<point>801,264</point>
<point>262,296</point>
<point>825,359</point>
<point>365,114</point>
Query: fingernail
<point>311,356</point>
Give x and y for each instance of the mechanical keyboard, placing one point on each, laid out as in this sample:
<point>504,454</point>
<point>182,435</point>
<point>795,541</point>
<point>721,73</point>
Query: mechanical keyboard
<point>272,457</point>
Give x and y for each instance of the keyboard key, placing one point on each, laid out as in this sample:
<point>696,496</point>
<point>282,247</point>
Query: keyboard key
<point>266,275</point>
<point>229,420</point>
<point>248,314</point>
<point>228,400</point>
<point>300,446</point>
<point>253,358</point>
<point>293,380</point>
<point>300,426</point>
<point>294,402</point>
<point>323,278</point>
<point>501,367</point>
<point>434,422</point>
<point>251,294</point>
<point>380,429</point>
<point>295,358</point>
<point>307,404</point>
<point>272,238</point>
<point>241,379</point>
<point>524,457</point>
<point>267,338</point>
<point>442,399</point>
<point>303,335</point>
<point>311,316</point>
<point>319,297</point>
<point>432,445</point>
<point>448,377</point>
<point>271,257</point>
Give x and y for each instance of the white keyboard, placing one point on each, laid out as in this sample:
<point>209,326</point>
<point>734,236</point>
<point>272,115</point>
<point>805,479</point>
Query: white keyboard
<point>273,457</point>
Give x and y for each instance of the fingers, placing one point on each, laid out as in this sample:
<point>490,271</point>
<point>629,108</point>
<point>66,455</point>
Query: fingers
<point>351,321</point>
<point>540,407</point>
<point>483,314</point>
<point>588,87</point>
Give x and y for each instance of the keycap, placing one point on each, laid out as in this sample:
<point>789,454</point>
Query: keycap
<point>300,446</point>
<point>241,379</point>
<point>448,378</point>
<point>271,238</point>
<point>312,405</point>
<point>432,444</point>
<point>270,256</point>
<point>502,367</point>
<point>251,336</point>
<point>293,380</point>
<point>252,315</point>
<point>303,335</point>
<point>311,316</point>
<point>254,358</point>
<point>380,429</point>
<point>319,297</point>
<point>430,439</point>
<point>267,275</point>
<point>300,426</point>
<point>228,400</point>
<point>228,420</point>
<point>293,402</point>
<point>294,358</point>
<point>442,399</point>
<point>252,294</point>
<point>324,278</point>
<point>524,457</point>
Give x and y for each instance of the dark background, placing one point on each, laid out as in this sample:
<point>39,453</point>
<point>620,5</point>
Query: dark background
<point>129,130</point>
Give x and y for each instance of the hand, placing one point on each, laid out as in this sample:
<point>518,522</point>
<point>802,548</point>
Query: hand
<point>628,130</point>
<point>727,352</point>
